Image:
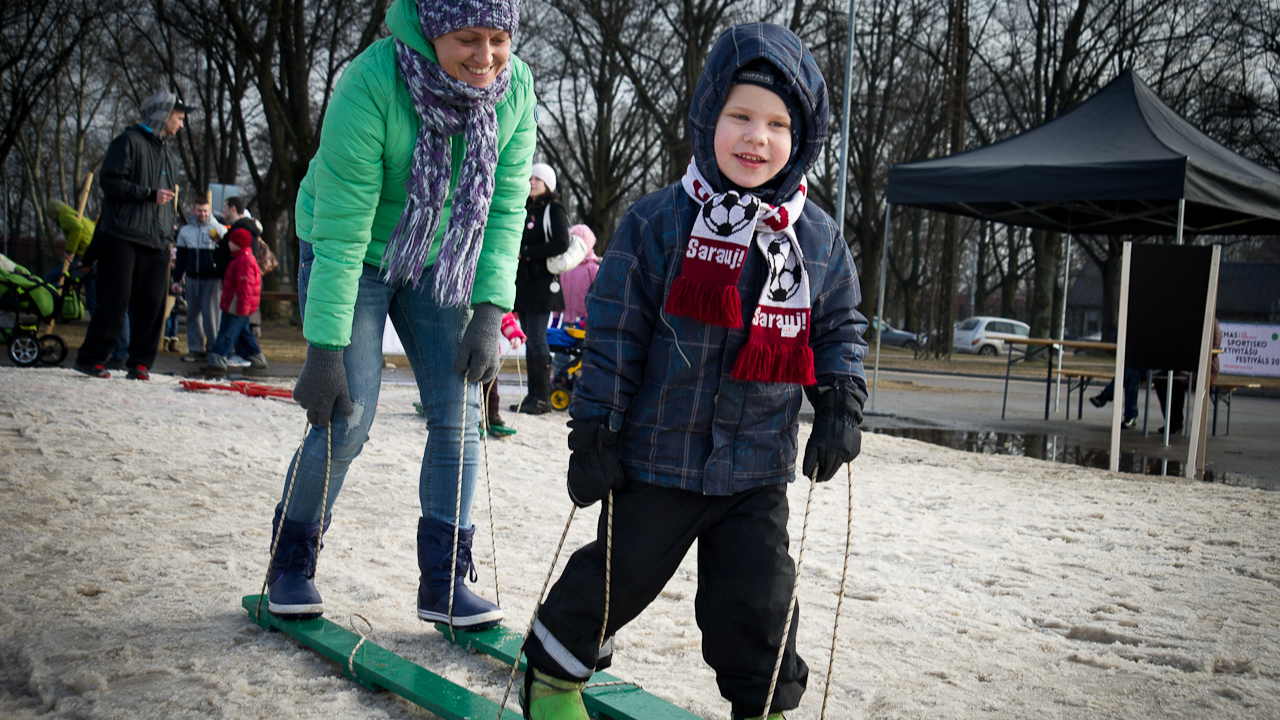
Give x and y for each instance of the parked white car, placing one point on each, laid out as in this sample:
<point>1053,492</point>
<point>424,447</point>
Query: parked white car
<point>987,335</point>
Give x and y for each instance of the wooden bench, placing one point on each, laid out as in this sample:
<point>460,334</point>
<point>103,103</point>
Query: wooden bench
<point>1222,390</point>
<point>1080,380</point>
<point>1035,346</point>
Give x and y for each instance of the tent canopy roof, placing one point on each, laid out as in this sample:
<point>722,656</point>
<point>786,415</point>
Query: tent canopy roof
<point>1116,163</point>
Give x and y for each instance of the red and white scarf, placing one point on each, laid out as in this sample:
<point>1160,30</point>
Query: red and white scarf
<point>777,349</point>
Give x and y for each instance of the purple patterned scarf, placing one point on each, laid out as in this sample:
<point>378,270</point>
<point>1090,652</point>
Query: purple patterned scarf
<point>447,107</point>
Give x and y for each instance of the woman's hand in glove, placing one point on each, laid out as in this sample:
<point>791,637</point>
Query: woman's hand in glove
<point>477,357</point>
<point>595,467</point>
<point>322,386</point>
<point>835,440</point>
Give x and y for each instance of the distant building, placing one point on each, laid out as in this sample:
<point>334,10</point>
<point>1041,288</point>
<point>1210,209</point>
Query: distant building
<point>1247,292</point>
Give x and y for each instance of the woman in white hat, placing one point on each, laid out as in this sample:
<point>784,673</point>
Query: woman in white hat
<point>538,293</point>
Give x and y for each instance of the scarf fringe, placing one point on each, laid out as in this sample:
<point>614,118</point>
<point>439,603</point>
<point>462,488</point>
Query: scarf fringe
<point>446,107</point>
<point>406,256</point>
<point>761,361</point>
<point>708,302</point>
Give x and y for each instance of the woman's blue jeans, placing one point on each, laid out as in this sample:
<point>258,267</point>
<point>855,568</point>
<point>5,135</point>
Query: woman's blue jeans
<point>430,334</point>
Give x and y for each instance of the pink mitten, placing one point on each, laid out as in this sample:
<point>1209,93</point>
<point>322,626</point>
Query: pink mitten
<point>511,330</point>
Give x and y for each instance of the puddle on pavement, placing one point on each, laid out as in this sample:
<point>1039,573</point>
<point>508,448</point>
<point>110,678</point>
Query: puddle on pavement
<point>1060,449</point>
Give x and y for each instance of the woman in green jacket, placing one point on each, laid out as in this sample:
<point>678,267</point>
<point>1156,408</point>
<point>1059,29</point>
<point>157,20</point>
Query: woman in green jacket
<point>413,206</point>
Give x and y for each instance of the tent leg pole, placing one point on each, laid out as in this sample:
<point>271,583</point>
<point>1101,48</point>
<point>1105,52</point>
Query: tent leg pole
<point>884,257</point>
<point>1182,214</point>
<point>1062,319</point>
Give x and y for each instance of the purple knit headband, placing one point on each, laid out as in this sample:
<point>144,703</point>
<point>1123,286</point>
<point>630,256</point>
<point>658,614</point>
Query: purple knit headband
<point>444,16</point>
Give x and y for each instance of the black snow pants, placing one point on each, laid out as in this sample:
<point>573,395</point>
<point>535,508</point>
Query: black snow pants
<point>131,277</point>
<point>745,578</point>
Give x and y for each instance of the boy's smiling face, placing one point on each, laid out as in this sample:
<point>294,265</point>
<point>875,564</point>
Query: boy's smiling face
<point>753,135</point>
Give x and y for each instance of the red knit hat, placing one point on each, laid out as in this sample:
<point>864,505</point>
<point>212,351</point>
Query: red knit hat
<point>240,237</point>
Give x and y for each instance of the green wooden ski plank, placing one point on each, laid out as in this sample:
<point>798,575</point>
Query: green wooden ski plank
<point>376,667</point>
<point>626,701</point>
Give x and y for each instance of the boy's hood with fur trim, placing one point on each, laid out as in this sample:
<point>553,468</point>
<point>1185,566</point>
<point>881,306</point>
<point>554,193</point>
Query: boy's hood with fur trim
<point>737,47</point>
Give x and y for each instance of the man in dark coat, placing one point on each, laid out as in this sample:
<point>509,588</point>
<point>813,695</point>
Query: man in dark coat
<point>131,243</point>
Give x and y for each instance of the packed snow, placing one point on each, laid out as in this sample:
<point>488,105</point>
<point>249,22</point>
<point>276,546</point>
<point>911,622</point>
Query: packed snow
<point>135,516</point>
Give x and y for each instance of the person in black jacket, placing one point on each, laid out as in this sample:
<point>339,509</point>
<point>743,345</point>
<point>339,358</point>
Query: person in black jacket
<point>538,294</point>
<point>131,243</point>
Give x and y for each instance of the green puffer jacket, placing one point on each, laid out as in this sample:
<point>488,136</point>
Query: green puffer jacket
<point>354,191</point>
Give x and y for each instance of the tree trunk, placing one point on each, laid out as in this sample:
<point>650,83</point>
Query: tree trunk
<point>1047,249</point>
<point>1111,267</point>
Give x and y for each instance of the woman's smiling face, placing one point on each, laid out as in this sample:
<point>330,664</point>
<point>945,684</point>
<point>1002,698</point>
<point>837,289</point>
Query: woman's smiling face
<point>474,55</point>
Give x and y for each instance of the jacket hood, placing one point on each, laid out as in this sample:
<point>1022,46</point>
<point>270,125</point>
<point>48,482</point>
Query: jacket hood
<point>402,20</point>
<point>156,108</point>
<point>781,48</point>
<point>53,207</point>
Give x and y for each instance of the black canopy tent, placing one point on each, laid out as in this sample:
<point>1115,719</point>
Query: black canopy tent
<point>1117,163</point>
<point>1121,162</point>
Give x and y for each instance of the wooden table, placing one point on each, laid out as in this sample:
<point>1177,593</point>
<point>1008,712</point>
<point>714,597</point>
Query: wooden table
<point>1036,346</point>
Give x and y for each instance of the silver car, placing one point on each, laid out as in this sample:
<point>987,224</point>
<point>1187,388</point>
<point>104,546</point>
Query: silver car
<point>986,335</point>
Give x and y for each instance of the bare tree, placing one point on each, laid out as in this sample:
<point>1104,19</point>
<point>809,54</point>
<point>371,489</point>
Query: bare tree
<point>1036,60</point>
<point>894,116</point>
<point>62,140</point>
<point>594,133</point>
<point>38,38</point>
<point>293,50</point>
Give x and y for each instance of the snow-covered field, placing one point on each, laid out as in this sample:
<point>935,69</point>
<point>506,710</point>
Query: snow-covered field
<point>134,517</point>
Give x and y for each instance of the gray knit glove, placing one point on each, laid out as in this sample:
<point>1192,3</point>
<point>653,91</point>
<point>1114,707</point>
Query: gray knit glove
<point>477,357</point>
<point>322,386</point>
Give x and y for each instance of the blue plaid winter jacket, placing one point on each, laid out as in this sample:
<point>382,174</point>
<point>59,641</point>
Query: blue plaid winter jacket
<point>664,382</point>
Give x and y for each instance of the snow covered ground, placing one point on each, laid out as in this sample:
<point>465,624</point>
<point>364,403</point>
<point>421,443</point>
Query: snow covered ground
<point>134,517</point>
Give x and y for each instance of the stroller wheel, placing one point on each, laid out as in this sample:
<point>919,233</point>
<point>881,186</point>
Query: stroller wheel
<point>53,350</point>
<point>24,350</point>
<point>560,398</point>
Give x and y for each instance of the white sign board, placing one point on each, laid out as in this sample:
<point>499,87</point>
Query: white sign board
<point>391,344</point>
<point>1249,349</point>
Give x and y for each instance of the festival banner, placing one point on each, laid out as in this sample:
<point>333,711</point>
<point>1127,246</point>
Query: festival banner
<point>1250,349</point>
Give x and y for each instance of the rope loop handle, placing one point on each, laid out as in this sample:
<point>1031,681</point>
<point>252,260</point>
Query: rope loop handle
<point>351,668</point>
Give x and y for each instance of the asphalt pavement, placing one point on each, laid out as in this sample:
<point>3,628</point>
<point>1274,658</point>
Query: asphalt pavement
<point>965,411</point>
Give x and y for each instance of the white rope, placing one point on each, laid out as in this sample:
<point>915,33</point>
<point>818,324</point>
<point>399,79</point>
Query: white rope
<point>791,606</point>
<point>608,571</point>
<point>844,576</point>
<point>457,510</point>
<point>351,659</point>
<point>488,486</point>
<point>284,508</point>
<point>515,665</point>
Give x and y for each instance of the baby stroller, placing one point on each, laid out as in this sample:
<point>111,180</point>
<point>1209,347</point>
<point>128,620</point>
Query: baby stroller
<point>566,341</point>
<point>26,303</point>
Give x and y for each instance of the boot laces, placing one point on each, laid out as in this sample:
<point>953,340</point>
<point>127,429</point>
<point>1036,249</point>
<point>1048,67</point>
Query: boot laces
<point>464,567</point>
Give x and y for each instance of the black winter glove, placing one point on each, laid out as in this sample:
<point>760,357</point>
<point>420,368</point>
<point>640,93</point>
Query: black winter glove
<point>322,386</point>
<point>595,467</point>
<point>835,440</point>
<point>477,356</point>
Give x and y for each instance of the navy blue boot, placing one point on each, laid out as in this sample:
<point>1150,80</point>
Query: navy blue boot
<point>435,548</point>
<point>291,590</point>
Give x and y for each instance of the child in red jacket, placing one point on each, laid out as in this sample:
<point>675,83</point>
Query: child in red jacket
<point>241,292</point>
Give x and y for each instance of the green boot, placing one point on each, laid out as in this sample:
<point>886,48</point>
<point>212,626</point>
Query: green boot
<point>549,698</point>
